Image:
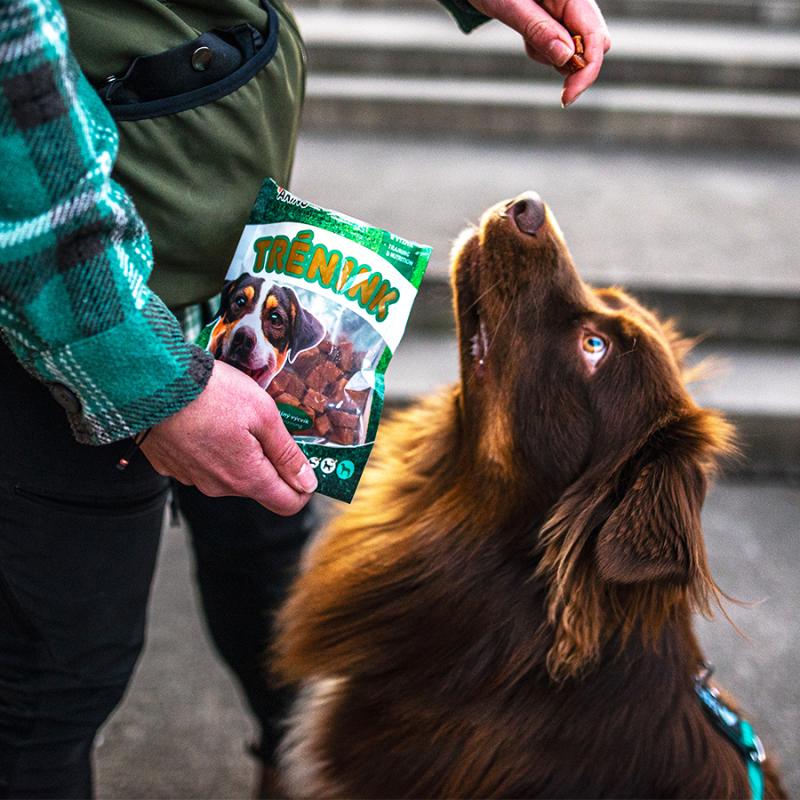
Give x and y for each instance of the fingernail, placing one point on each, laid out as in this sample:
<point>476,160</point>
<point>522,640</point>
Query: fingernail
<point>558,52</point>
<point>306,479</point>
<point>564,103</point>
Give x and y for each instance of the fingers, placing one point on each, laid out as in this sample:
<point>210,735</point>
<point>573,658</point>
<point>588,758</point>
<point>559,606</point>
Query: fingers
<point>281,449</point>
<point>273,493</point>
<point>535,56</point>
<point>547,27</point>
<point>232,441</point>
<point>585,18</point>
<point>543,35</point>
<point>595,47</point>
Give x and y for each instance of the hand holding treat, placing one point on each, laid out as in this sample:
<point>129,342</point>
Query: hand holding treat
<point>549,29</point>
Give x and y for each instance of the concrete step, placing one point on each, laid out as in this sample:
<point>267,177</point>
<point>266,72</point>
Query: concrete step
<point>757,388</point>
<point>762,12</point>
<point>403,43</point>
<point>706,312</point>
<point>666,83</point>
<point>710,239</point>
<point>515,109</point>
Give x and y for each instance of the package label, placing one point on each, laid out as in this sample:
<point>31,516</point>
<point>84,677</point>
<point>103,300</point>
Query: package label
<point>314,305</point>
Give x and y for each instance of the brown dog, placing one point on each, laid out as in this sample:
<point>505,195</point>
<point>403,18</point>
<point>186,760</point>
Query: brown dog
<point>506,609</point>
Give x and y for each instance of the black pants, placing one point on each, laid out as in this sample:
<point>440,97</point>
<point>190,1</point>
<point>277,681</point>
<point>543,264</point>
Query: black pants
<point>78,545</point>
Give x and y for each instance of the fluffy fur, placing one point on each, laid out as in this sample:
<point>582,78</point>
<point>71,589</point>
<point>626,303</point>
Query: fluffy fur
<point>505,611</point>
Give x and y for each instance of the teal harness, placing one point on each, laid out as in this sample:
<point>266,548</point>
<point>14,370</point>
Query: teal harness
<point>738,730</point>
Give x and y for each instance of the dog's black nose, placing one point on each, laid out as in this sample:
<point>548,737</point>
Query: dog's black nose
<point>528,213</point>
<point>242,344</point>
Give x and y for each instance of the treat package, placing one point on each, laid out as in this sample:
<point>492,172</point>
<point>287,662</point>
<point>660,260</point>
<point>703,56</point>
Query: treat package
<point>313,308</point>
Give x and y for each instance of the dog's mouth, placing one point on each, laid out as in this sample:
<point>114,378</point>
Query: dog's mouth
<point>479,341</point>
<point>261,375</point>
<point>525,214</point>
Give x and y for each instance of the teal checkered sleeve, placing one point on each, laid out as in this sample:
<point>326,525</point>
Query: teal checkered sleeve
<point>467,17</point>
<point>74,254</point>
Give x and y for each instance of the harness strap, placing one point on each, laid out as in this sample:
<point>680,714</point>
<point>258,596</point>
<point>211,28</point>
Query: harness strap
<point>738,730</point>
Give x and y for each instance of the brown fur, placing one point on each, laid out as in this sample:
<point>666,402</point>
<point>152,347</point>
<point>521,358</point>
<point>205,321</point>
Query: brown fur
<point>505,611</point>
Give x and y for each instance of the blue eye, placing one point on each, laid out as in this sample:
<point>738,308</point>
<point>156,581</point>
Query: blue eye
<point>594,348</point>
<point>593,344</point>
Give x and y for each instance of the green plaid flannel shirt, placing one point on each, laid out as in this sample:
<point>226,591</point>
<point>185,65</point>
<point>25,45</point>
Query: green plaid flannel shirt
<point>74,254</point>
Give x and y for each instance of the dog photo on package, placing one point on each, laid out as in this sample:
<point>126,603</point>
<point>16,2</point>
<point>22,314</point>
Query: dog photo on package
<point>313,308</point>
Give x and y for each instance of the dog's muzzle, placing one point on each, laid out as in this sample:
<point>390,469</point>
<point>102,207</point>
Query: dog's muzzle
<point>528,213</point>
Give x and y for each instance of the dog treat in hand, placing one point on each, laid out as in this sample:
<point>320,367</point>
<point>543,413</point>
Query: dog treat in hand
<point>577,61</point>
<point>313,308</point>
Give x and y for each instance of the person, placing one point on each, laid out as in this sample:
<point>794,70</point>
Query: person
<point>93,352</point>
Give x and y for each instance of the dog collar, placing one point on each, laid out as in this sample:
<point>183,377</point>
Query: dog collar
<point>737,729</point>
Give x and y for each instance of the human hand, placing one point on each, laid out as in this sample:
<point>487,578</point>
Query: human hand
<point>230,440</point>
<point>547,27</point>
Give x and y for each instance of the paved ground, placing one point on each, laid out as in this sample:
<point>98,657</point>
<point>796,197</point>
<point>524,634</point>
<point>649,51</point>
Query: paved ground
<point>181,731</point>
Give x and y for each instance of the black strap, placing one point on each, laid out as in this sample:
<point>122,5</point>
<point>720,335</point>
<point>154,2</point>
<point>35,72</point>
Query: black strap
<point>205,69</point>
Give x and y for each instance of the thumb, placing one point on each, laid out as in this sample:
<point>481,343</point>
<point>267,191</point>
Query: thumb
<point>542,33</point>
<point>281,449</point>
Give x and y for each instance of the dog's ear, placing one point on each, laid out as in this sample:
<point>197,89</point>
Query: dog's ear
<point>623,545</point>
<point>654,531</point>
<point>305,330</point>
<point>225,295</point>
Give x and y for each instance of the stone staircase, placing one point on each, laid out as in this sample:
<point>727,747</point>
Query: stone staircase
<point>667,81</point>
<point>676,176</point>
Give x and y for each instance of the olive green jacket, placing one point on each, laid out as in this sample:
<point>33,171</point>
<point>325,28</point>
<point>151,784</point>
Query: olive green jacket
<point>194,173</point>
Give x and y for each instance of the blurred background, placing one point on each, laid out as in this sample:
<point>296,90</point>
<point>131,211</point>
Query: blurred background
<point>677,176</point>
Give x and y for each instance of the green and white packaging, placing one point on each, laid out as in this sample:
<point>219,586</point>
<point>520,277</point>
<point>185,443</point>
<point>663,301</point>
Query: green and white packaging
<point>314,306</point>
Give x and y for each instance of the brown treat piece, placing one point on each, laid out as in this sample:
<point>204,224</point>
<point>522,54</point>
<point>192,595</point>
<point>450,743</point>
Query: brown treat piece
<point>335,390</point>
<point>577,61</point>
<point>306,361</point>
<point>343,419</point>
<point>330,371</point>
<point>347,405</point>
<point>343,436</point>
<point>335,354</point>
<point>322,425</point>
<point>315,400</point>
<point>325,346</point>
<point>346,356</point>
<point>358,397</point>
<point>287,398</point>
<point>278,384</point>
<point>316,380</point>
<point>310,411</point>
<point>322,375</point>
<point>294,385</point>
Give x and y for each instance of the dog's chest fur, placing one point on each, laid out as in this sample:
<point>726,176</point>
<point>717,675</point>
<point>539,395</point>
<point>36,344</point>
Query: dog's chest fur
<point>455,700</point>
